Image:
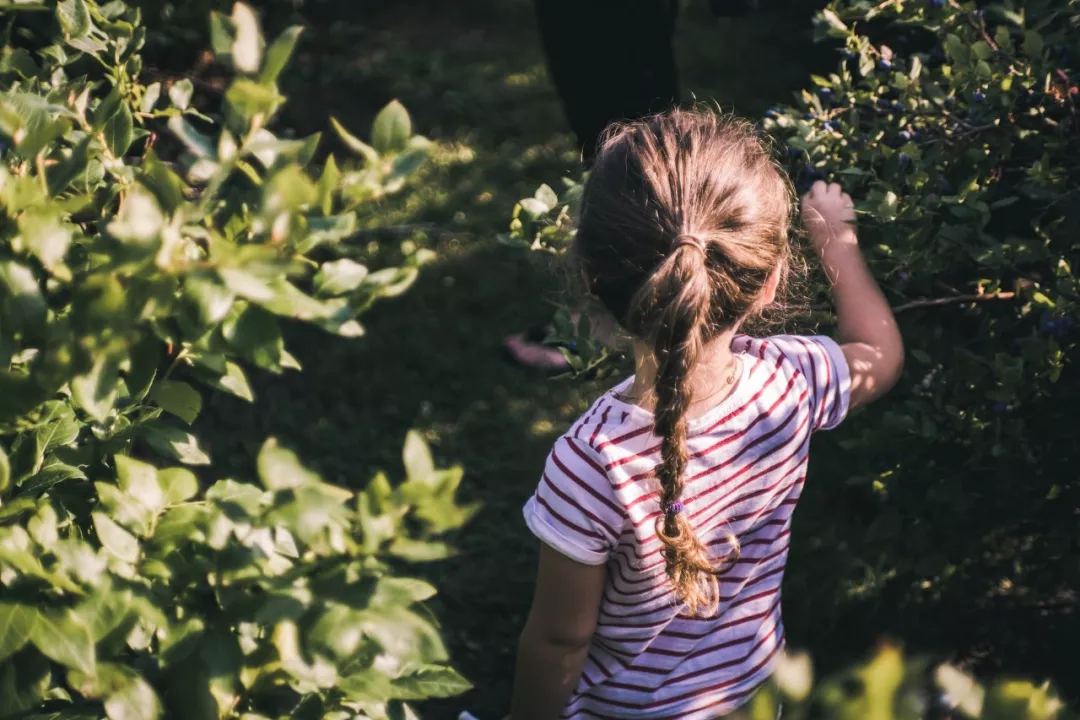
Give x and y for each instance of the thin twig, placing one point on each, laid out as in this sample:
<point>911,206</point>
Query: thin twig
<point>936,302</point>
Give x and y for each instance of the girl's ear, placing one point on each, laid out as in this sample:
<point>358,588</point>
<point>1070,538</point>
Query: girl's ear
<point>768,293</point>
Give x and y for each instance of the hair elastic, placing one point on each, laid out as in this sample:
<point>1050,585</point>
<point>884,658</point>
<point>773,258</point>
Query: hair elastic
<point>689,239</point>
<point>673,508</point>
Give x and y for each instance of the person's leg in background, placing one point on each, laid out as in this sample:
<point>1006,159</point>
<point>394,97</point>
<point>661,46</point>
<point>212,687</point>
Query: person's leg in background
<point>609,60</point>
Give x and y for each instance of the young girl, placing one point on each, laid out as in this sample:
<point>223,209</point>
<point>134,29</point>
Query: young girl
<point>665,511</point>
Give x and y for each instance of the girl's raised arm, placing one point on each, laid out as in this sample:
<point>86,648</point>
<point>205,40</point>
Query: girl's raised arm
<point>867,330</point>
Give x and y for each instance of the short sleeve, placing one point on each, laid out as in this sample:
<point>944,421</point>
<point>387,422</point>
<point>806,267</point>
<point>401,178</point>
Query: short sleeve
<point>825,368</point>
<point>574,509</point>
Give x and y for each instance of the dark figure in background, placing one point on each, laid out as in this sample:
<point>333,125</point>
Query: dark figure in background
<point>610,60</point>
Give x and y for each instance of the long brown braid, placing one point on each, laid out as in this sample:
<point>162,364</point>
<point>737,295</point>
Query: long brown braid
<point>684,218</point>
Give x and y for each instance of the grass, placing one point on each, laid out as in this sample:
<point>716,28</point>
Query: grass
<point>473,78</point>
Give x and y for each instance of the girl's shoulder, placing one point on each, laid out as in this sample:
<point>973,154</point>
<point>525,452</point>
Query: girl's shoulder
<point>606,420</point>
<point>814,364</point>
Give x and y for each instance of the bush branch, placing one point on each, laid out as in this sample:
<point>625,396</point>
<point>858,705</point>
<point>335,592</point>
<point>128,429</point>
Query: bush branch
<point>937,302</point>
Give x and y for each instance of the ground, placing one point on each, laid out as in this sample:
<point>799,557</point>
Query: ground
<point>472,76</point>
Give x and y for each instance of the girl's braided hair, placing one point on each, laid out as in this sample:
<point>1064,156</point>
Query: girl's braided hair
<point>684,218</point>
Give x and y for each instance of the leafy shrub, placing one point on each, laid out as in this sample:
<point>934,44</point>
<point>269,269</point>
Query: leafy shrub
<point>148,254</point>
<point>955,128</point>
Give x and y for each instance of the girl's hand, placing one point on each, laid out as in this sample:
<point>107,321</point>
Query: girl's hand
<point>828,213</point>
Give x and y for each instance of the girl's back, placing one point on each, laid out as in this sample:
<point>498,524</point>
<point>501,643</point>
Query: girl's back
<point>665,511</point>
<point>597,504</point>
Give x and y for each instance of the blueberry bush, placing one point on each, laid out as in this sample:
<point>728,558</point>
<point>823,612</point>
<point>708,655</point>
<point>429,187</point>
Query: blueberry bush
<point>151,249</point>
<point>955,126</point>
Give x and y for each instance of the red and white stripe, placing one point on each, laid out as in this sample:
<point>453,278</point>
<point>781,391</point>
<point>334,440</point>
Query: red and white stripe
<point>597,504</point>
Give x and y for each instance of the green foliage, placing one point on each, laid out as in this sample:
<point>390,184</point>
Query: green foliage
<point>890,686</point>
<point>955,128</point>
<point>149,253</point>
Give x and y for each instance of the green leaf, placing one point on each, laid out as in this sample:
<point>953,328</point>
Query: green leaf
<point>23,305</point>
<point>211,298</point>
<point>339,277</point>
<point>74,18</point>
<point>248,498</point>
<point>180,93</point>
<point>178,485</point>
<point>257,334</point>
<point>48,239</point>
<point>139,221</point>
<point>1033,44</point>
<point>370,155</point>
<point>249,99</point>
<point>533,207</point>
<point>921,356</point>
<point>247,47</point>
<point>96,391</point>
<point>5,475</point>
<point>177,398</point>
<point>59,637</point>
<point>400,592</point>
<point>124,508</point>
<point>278,54</point>
<point>430,681</point>
<point>175,444</point>
<point>419,465</point>
<point>16,625</point>
<point>392,128</point>
<point>367,686</point>
<point>23,684</point>
<point>136,700</point>
<point>1042,299</point>
<point>234,381</point>
<point>419,551</point>
<point>119,131</point>
<point>546,195</point>
<point>328,185</point>
<point>150,97</point>
<point>833,20</point>
<point>140,480</point>
<point>116,539</point>
<point>198,144</point>
<point>280,469</point>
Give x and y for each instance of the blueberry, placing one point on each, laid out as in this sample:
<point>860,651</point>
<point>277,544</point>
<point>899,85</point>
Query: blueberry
<point>903,276</point>
<point>978,96</point>
<point>905,135</point>
<point>572,346</point>
<point>944,186</point>
<point>851,55</point>
<point>937,53</point>
<point>1000,407</point>
<point>980,13</point>
<point>905,159</point>
<point>794,151</point>
<point>883,102</point>
<point>884,64</point>
<point>918,134</point>
<point>898,106</point>
<point>828,127</point>
<point>825,92</point>
<point>937,4</point>
<point>772,112</point>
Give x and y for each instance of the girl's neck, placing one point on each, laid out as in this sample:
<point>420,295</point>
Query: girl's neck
<point>709,380</point>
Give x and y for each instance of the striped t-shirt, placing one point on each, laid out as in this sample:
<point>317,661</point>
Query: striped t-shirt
<point>597,503</point>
